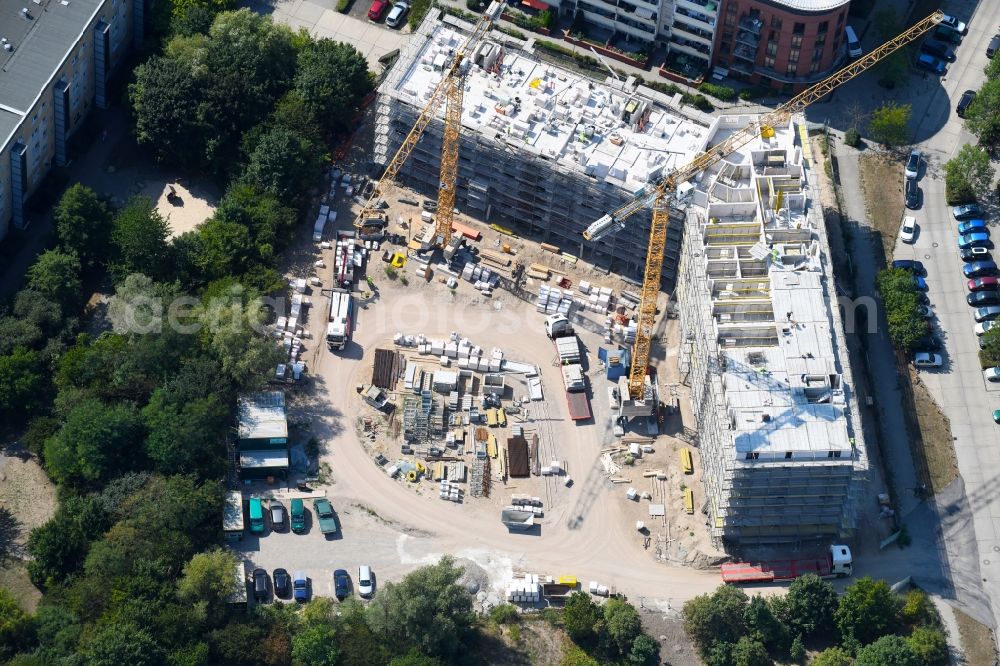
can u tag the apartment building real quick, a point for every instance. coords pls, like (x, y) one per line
(56, 57)
(543, 150)
(763, 350)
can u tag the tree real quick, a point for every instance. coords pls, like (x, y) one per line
(763, 626)
(165, 98)
(140, 238)
(930, 646)
(917, 608)
(316, 645)
(331, 78)
(867, 610)
(889, 124)
(982, 118)
(716, 618)
(225, 249)
(748, 652)
(968, 175)
(284, 164)
(894, 70)
(580, 615)
(644, 650)
(269, 221)
(59, 546)
(899, 294)
(888, 651)
(622, 624)
(207, 580)
(17, 630)
(185, 436)
(83, 224)
(121, 643)
(247, 357)
(23, 386)
(95, 441)
(56, 276)
(574, 656)
(797, 651)
(811, 603)
(427, 610)
(834, 656)
(852, 137)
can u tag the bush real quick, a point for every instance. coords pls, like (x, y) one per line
(852, 137)
(725, 93)
(474, 5)
(957, 189)
(702, 103)
(391, 273)
(418, 10)
(505, 614)
(755, 92)
(343, 6)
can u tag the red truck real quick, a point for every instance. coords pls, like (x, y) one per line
(834, 564)
(576, 392)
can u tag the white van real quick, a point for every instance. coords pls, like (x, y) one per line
(366, 586)
(853, 44)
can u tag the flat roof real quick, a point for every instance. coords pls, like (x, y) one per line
(40, 44)
(263, 459)
(811, 5)
(624, 137)
(780, 369)
(262, 416)
(232, 512)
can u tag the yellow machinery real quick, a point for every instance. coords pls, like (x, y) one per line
(449, 90)
(659, 194)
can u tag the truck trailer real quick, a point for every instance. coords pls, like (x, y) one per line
(338, 330)
(575, 383)
(836, 563)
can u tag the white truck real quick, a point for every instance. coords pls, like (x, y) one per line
(343, 260)
(338, 330)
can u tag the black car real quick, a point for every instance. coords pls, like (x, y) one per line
(342, 583)
(929, 343)
(912, 194)
(939, 49)
(964, 102)
(260, 585)
(981, 298)
(278, 515)
(912, 265)
(282, 583)
(993, 47)
(975, 254)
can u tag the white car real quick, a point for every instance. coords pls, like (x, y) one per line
(927, 360)
(982, 327)
(908, 230)
(913, 164)
(954, 24)
(992, 374)
(366, 582)
(397, 14)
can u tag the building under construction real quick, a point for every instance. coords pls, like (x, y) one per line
(763, 350)
(544, 150)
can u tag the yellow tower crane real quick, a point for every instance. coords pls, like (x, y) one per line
(450, 90)
(659, 194)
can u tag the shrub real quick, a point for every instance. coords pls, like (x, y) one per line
(852, 137)
(725, 93)
(391, 273)
(702, 103)
(474, 5)
(505, 614)
(343, 6)
(755, 92)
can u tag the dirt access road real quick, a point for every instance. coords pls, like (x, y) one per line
(585, 532)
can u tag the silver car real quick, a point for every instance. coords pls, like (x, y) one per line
(397, 14)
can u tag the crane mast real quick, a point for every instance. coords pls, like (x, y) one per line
(661, 192)
(450, 91)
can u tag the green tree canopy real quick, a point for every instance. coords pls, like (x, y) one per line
(24, 385)
(622, 624)
(186, 436)
(208, 580)
(165, 98)
(331, 79)
(580, 616)
(83, 224)
(117, 644)
(56, 276)
(834, 656)
(284, 164)
(140, 238)
(811, 603)
(982, 118)
(644, 650)
(889, 124)
(930, 646)
(763, 626)
(96, 441)
(315, 645)
(888, 651)
(899, 293)
(748, 652)
(716, 618)
(59, 546)
(968, 175)
(427, 610)
(17, 630)
(867, 610)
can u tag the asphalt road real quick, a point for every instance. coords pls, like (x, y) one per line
(959, 387)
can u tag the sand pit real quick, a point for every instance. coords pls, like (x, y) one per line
(188, 208)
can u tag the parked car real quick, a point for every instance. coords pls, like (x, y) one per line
(979, 329)
(260, 585)
(945, 34)
(256, 516)
(366, 582)
(913, 164)
(979, 284)
(925, 311)
(979, 269)
(964, 101)
(967, 211)
(992, 374)
(378, 9)
(920, 283)
(927, 360)
(939, 49)
(986, 297)
(954, 24)
(341, 584)
(993, 47)
(970, 226)
(325, 516)
(972, 240)
(987, 314)
(996, 415)
(912, 265)
(300, 586)
(911, 194)
(298, 516)
(277, 512)
(931, 64)
(975, 254)
(397, 14)
(930, 343)
(282, 583)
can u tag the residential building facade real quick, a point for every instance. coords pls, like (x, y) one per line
(56, 59)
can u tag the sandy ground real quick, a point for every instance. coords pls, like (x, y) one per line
(27, 499)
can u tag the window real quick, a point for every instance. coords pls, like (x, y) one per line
(799, 29)
(793, 55)
(776, 23)
(788, 455)
(818, 54)
(833, 454)
(814, 67)
(728, 35)
(840, 19)
(772, 48)
(769, 62)
(823, 27)
(752, 455)
(796, 41)
(820, 40)
(730, 19)
(724, 47)
(790, 70)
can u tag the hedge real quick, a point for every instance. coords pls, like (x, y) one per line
(724, 93)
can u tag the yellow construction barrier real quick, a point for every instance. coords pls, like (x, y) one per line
(568, 580)
(688, 500)
(687, 463)
(502, 417)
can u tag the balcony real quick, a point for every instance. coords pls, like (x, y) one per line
(696, 17)
(691, 32)
(742, 67)
(709, 8)
(748, 38)
(752, 24)
(687, 45)
(745, 52)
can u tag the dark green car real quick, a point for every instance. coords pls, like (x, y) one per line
(298, 510)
